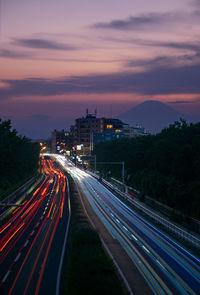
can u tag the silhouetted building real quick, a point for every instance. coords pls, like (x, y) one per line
(61, 141)
(107, 136)
(86, 127)
(90, 130)
(125, 131)
(134, 131)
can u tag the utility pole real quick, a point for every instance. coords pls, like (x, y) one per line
(95, 163)
(123, 172)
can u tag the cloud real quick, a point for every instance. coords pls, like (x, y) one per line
(152, 62)
(43, 44)
(162, 61)
(184, 101)
(188, 52)
(190, 45)
(196, 3)
(180, 101)
(11, 54)
(152, 19)
(161, 80)
(179, 45)
(137, 22)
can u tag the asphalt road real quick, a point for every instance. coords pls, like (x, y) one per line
(166, 266)
(31, 241)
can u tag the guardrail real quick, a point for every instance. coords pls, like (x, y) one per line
(21, 190)
(183, 234)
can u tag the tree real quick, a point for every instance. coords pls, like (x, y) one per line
(19, 157)
(165, 166)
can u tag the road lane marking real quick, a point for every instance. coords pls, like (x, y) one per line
(5, 277)
(139, 243)
(145, 249)
(26, 257)
(146, 269)
(26, 243)
(149, 274)
(17, 256)
(47, 253)
(160, 264)
(134, 237)
(32, 233)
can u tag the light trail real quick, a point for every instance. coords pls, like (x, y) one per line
(166, 266)
(11, 237)
(33, 222)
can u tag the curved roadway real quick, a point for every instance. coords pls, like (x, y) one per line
(31, 241)
(166, 266)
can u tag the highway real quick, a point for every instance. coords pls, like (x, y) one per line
(32, 240)
(165, 265)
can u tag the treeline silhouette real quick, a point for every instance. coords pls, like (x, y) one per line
(165, 166)
(18, 158)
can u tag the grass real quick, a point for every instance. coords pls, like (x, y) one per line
(87, 269)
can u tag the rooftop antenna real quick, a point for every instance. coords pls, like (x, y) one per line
(86, 112)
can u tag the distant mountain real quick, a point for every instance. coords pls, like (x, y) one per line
(154, 116)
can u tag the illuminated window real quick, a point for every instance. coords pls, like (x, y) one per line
(109, 126)
(118, 130)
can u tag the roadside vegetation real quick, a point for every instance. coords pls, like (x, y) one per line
(19, 159)
(165, 166)
(87, 269)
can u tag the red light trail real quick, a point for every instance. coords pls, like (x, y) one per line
(30, 226)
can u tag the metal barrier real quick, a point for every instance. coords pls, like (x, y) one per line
(179, 232)
(21, 190)
(194, 240)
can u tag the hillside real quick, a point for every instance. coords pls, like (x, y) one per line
(153, 115)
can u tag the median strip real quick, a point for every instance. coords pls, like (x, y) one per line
(87, 269)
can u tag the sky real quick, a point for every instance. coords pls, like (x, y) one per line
(59, 57)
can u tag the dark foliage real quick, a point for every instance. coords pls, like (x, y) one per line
(165, 166)
(18, 157)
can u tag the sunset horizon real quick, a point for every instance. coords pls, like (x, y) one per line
(59, 58)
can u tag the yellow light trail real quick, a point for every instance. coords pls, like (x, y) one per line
(11, 237)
